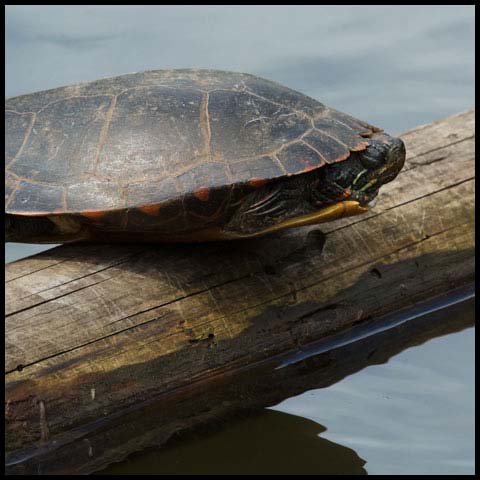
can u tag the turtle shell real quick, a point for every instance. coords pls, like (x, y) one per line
(171, 137)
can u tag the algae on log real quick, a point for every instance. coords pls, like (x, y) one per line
(102, 338)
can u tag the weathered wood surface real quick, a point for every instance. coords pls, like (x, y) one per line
(96, 335)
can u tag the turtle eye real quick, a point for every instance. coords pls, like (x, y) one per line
(375, 156)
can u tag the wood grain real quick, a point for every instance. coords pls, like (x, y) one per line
(98, 334)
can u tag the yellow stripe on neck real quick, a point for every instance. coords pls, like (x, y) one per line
(346, 208)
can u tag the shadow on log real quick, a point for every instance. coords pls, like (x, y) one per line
(110, 349)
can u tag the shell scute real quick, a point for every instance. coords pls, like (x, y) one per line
(151, 191)
(260, 168)
(94, 195)
(332, 150)
(245, 126)
(153, 130)
(35, 198)
(341, 132)
(210, 174)
(359, 126)
(62, 144)
(17, 130)
(299, 158)
(276, 93)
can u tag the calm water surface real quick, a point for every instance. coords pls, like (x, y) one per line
(393, 66)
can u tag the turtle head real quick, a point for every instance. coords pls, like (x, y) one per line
(360, 177)
(383, 160)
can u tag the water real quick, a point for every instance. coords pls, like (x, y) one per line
(412, 415)
(394, 66)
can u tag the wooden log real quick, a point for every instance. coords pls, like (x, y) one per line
(110, 349)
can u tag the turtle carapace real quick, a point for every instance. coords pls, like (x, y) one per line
(184, 156)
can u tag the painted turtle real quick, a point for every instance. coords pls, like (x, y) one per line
(184, 155)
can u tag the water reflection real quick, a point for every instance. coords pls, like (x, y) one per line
(270, 443)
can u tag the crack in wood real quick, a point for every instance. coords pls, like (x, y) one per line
(21, 310)
(25, 365)
(122, 261)
(447, 145)
(39, 269)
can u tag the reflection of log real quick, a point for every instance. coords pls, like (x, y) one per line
(270, 443)
(113, 348)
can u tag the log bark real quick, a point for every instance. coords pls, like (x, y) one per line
(113, 348)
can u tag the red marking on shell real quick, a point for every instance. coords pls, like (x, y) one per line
(31, 214)
(257, 182)
(306, 164)
(361, 146)
(202, 194)
(341, 158)
(94, 215)
(149, 209)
